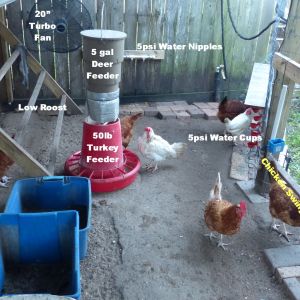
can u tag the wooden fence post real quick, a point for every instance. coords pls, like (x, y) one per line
(290, 48)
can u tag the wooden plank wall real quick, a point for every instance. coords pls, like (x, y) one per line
(156, 21)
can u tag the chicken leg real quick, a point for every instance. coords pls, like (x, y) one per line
(4, 181)
(150, 167)
(211, 235)
(274, 226)
(221, 244)
(285, 234)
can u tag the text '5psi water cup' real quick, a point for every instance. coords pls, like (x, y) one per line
(103, 54)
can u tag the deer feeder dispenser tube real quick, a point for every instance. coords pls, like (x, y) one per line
(102, 157)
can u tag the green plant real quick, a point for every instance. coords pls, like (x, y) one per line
(293, 139)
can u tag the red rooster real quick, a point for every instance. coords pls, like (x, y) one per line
(127, 124)
(221, 215)
(230, 109)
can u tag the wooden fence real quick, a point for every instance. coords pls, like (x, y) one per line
(185, 73)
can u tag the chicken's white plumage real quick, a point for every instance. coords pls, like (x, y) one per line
(157, 149)
(240, 123)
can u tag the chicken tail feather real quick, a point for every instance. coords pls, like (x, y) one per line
(179, 148)
(136, 116)
(215, 193)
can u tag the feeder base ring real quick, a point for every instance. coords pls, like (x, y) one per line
(106, 180)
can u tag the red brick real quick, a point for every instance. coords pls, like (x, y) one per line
(166, 115)
(210, 114)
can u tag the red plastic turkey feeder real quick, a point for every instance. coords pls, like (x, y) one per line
(102, 158)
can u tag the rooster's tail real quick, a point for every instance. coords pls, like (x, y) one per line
(215, 193)
(179, 148)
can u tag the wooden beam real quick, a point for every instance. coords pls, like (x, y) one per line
(9, 95)
(36, 67)
(289, 48)
(287, 66)
(7, 65)
(145, 55)
(20, 156)
(20, 132)
(55, 144)
(286, 176)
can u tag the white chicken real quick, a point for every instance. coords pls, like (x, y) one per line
(157, 149)
(240, 123)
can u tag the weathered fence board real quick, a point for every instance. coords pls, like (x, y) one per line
(169, 21)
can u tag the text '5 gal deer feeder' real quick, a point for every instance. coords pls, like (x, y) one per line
(102, 158)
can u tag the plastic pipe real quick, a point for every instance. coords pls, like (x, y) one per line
(279, 111)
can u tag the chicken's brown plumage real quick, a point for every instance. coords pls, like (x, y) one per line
(222, 216)
(281, 206)
(5, 163)
(127, 124)
(230, 109)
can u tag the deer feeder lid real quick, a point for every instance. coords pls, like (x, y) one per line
(5, 2)
(104, 34)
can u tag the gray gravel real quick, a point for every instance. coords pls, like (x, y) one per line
(147, 241)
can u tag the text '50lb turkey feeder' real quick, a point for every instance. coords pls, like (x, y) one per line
(102, 158)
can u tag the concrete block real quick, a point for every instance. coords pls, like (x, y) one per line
(195, 112)
(283, 257)
(166, 115)
(164, 104)
(210, 114)
(136, 110)
(182, 115)
(239, 167)
(150, 111)
(287, 272)
(184, 103)
(163, 108)
(179, 107)
(214, 105)
(202, 105)
(124, 111)
(293, 287)
(247, 187)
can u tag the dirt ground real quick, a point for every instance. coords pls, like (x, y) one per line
(147, 241)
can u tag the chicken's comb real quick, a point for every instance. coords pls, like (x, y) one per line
(243, 206)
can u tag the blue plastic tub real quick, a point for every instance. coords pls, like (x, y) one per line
(276, 145)
(54, 193)
(40, 254)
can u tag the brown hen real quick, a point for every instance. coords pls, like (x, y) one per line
(5, 163)
(127, 124)
(281, 206)
(222, 216)
(230, 109)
